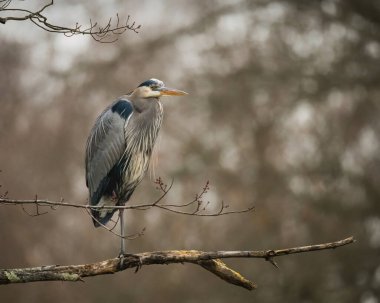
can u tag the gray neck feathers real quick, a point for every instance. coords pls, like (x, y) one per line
(145, 123)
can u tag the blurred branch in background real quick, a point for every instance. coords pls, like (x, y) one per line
(208, 260)
(107, 34)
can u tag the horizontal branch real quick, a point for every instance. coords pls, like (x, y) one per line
(210, 261)
(195, 207)
(169, 207)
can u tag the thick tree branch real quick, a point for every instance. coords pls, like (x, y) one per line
(208, 260)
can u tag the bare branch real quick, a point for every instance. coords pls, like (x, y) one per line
(54, 204)
(160, 185)
(208, 260)
(107, 34)
(200, 205)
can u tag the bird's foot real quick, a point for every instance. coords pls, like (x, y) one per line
(122, 256)
(139, 264)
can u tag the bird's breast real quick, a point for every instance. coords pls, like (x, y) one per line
(140, 137)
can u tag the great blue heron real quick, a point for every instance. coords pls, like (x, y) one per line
(119, 148)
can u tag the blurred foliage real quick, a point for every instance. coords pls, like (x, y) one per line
(283, 111)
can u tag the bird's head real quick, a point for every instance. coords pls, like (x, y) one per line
(154, 88)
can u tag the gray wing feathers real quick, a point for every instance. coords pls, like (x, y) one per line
(105, 146)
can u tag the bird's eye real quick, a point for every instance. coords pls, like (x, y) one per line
(154, 87)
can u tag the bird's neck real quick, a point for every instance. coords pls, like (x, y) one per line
(144, 126)
(141, 104)
(147, 111)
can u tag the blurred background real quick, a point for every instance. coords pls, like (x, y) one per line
(283, 112)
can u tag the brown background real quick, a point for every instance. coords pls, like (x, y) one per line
(283, 111)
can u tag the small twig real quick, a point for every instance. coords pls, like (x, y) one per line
(269, 258)
(36, 214)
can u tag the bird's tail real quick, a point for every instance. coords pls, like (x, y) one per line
(99, 220)
(102, 216)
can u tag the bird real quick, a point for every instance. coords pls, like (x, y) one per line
(119, 148)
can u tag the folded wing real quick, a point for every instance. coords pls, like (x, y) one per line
(105, 147)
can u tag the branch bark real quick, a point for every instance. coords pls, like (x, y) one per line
(210, 261)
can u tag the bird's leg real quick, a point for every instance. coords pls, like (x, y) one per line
(122, 240)
(122, 243)
(122, 253)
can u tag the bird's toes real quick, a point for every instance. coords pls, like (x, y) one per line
(133, 258)
(139, 264)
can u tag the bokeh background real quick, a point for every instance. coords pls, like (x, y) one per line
(283, 112)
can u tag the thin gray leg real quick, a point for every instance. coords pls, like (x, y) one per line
(122, 244)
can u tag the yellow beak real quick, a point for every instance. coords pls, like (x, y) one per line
(165, 91)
